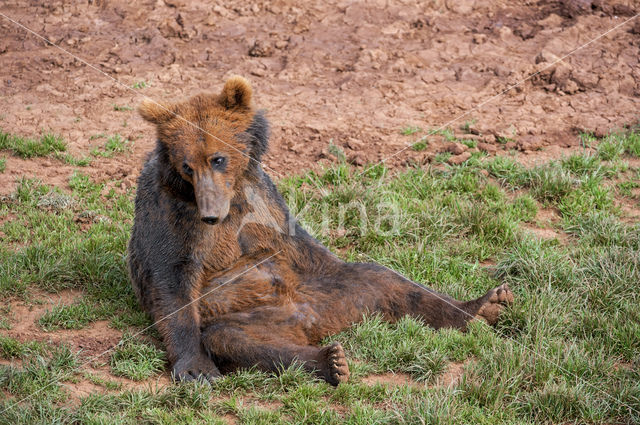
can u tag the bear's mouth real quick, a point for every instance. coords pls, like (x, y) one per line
(210, 220)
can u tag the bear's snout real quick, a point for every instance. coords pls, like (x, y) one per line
(213, 202)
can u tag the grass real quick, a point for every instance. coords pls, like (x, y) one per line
(565, 352)
(136, 360)
(420, 145)
(114, 144)
(409, 130)
(74, 316)
(47, 144)
(24, 147)
(442, 157)
(140, 84)
(447, 133)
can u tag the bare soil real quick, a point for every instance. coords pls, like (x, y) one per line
(23, 318)
(353, 74)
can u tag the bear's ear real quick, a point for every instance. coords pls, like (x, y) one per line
(155, 112)
(236, 93)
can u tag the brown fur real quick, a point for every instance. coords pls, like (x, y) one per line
(270, 292)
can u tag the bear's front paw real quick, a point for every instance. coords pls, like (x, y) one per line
(195, 367)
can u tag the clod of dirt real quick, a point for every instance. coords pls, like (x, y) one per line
(459, 159)
(357, 158)
(260, 49)
(574, 8)
(487, 147)
(456, 148)
(530, 143)
(172, 27)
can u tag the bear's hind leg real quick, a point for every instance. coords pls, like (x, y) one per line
(378, 289)
(233, 345)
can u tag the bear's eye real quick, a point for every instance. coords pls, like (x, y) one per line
(186, 169)
(218, 161)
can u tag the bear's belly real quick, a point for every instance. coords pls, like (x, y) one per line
(244, 287)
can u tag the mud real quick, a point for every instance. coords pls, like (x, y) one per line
(351, 74)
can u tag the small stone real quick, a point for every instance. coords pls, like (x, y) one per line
(546, 56)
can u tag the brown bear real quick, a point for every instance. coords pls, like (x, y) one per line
(228, 275)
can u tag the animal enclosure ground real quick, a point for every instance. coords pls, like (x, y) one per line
(562, 234)
(527, 189)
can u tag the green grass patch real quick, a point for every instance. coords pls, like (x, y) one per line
(39, 376)
(72, 160)
(114, 144)
(25, 147)
(626, 188)
(442, 157)
(11, 348)
(73, 316)
(420, 145)
(565, 352)
(140, 85)
(409, 130)
(620, 143)
(136, 360)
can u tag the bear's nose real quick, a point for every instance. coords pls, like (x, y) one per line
(210, 220)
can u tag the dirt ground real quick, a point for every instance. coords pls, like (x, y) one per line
(348, 73)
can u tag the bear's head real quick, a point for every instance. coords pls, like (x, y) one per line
(210, 143)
